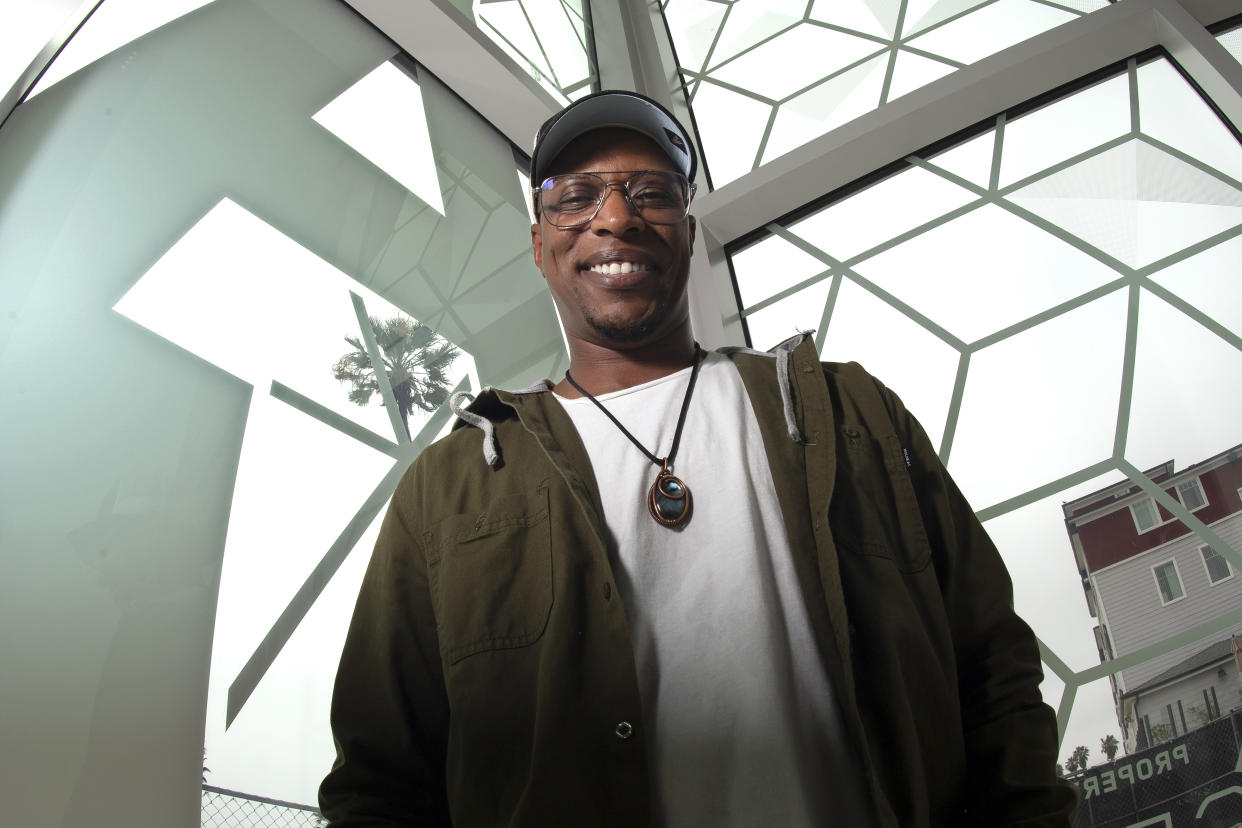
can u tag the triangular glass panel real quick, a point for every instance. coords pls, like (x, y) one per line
(748, 24)
(768, 71)
(693, 25)
(825, 107)
(1135, 202)
(873, 17)
(382, 117)
(1065, 128)
(921, 15)
(1172, 112)
(558, 39)
(1209, 281)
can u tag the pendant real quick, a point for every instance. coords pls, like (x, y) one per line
(669, 499)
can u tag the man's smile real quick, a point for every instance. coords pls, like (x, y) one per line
(615, 268)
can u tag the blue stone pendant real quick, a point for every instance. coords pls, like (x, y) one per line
(669, 499)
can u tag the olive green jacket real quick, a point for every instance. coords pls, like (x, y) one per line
(489, 673)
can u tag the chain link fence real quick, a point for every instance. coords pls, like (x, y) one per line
(231, 809)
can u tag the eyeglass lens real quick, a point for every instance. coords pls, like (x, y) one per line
(659, 196)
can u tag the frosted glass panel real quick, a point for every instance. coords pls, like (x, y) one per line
(770, 267)
(898, 204)
(1016, 397)
(806, 68)
(221, 266)
(550, 39)
(1065, 128)
(951, 272)
(912, 361)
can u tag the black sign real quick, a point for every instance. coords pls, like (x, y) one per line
(1194, 781)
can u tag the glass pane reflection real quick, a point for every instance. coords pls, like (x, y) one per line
(208, 484)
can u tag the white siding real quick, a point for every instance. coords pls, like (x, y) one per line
(1190, 693)
(1136, 617)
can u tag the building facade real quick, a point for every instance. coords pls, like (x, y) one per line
(1149, 578)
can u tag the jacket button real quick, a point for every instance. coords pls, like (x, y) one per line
(624, 730)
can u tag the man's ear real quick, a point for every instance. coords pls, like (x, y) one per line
(536, 244)
(693, 227)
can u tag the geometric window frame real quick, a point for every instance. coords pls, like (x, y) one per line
(1161, 586)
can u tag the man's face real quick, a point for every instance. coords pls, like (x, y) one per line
(625, 309)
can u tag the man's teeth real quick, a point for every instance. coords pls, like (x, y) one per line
(618, 268)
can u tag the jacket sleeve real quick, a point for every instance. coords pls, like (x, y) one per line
(389, 709)
(1010, 734)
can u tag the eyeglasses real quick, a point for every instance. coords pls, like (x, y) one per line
(574, 199)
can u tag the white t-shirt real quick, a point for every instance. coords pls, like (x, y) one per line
(744, 726)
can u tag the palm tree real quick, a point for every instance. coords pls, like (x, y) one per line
(1109, 746)
(415, 359)
(1078, 759)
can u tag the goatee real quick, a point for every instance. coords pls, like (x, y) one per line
(622, 334)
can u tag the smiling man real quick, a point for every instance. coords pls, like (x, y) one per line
(681, 588)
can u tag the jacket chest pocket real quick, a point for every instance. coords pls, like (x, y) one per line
(490, 575)
(874, 511)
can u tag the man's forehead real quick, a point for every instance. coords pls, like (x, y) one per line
(598, 145)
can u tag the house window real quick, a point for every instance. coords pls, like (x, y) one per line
(1145, 515)
(1169, 582)
(1190, 492)
(1218, 569)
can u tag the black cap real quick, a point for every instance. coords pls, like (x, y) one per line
(612, 108)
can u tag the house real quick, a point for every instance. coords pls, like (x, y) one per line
(1152, 582)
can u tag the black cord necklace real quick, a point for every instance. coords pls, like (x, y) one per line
(668, 499)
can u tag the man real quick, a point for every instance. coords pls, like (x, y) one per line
(679, 588)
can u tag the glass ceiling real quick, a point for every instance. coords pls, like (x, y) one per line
(549, 39)
(1058, 294)
(764, 78)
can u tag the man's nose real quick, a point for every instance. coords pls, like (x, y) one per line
(617, 214)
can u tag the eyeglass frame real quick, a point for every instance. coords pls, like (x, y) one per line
(624, 186)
